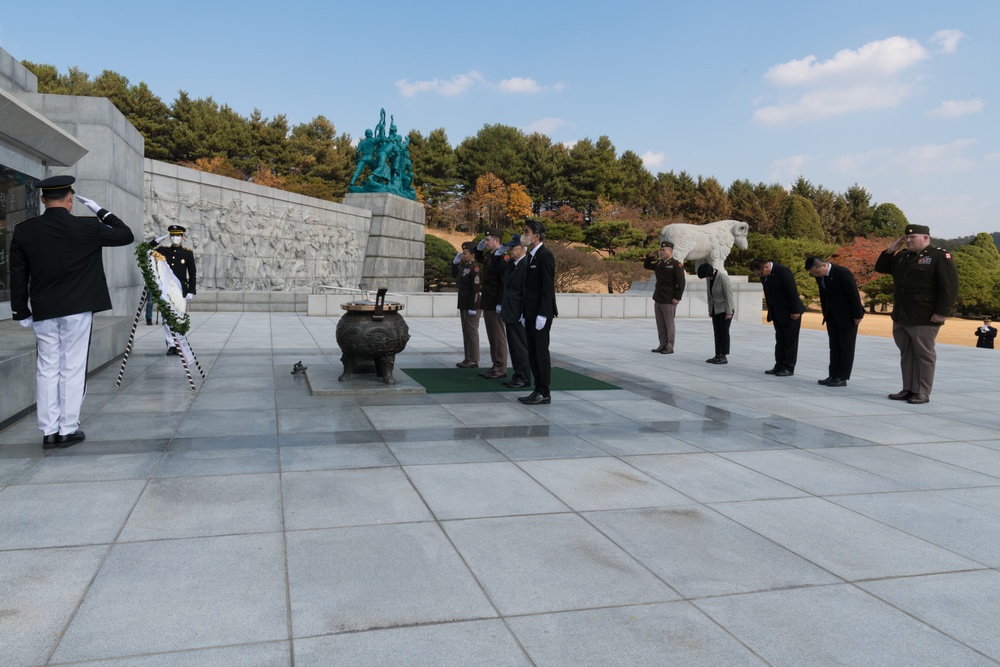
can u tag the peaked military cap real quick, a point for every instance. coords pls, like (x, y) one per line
(176, 230)
(55, 185)
(918, 229)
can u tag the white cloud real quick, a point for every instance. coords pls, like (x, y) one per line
(456, 85)
(519, 85)
(947, 40)
(788, 168)
(545, 126)
(937, 158)
(871, 77)
(651, 160)
(569, 144)
(956, 108)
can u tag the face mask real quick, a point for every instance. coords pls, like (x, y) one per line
(175, 240)
(526, 240)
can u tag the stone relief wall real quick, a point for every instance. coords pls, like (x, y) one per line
(250, 238)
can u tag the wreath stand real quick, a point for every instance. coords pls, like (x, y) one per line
(180, 340)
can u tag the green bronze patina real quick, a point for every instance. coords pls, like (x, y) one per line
(388, 156)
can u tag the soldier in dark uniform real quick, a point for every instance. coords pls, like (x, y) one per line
(670, 282)
(181, 261)
(926, 286)
(467, 274)
(490, 303)
(513, 268)
(986, 334)
(55, 263)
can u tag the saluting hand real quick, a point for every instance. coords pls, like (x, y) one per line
(896, 245)
(89, 203)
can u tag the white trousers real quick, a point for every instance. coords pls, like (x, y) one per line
(62, 346)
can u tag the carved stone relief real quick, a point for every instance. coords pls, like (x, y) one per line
(271, 246)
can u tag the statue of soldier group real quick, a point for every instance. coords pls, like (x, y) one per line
(925, 280)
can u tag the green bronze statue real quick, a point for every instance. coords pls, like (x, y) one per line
(388, 157)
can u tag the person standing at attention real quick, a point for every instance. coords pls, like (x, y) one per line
(466, 273)
(784, 310)
(489, 302)
(56, 265)
(667, 293)
(842, 313)
(539, 309)
(985, 334)
(926, 286)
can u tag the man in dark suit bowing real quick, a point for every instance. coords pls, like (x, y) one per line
(784, 311)
(56, 266)
(539, 309)
(842, 313)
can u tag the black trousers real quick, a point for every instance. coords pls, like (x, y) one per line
(538, 354)
(517, 342)
(842, 342)
(720, 327)
(786, 344)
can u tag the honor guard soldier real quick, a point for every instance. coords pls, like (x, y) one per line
(181, 261)
(56, 265)
(926, 286)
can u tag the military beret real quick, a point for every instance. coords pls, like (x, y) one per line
(53, 185)
(490, 231)
(666, 244)
(918, 229)
(176, 230)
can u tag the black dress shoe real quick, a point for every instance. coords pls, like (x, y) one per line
(517, 384)
(71, 439)
(666, 351)
(541, 400)
(467, 364)
(712, 360)
(51, 441)
(172, 351)
(784, 373)
(918, 399)
(836, 382)
(657, 350)
(773, 371)
(149, 322)
(719, 360)
(825, 380)
(533, 396)
(902, 395)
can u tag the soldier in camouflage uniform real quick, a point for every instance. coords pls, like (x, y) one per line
(926, 286)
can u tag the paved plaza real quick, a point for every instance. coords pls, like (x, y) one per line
(701, 515)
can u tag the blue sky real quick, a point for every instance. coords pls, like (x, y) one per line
(899, 97)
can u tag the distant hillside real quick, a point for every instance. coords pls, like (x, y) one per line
(951, 244)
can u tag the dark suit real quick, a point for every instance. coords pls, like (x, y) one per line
(540, 299)
(55, 260)
(985, 338)
(782, 295)
(841, 304)
(511, 307)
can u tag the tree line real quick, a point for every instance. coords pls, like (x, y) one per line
(591, 197)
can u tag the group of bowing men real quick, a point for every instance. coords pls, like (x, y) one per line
(512, 286)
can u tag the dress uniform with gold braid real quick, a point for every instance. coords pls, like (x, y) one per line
(181, 262)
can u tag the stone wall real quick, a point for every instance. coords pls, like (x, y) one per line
(394, 258)
(250, 238)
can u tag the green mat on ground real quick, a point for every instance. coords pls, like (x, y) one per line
(456, 380)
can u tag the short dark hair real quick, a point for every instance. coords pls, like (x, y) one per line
(812, 261)
(757, 264)
(705, 270)
(536, 226)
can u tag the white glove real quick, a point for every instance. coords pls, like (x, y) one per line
(160, 239)
(189, 296)
(89, 203)
(472, 312)
(500, 251)
(26, 322)
(482, 244)
(458, 257)
(540, 322)
(498, 309)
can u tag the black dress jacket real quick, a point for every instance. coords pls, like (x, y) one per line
(838, 296)
(55, 263)
(782, 295)
(181, 261)
(540, 286)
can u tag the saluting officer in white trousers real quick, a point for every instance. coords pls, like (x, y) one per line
(56, 265)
